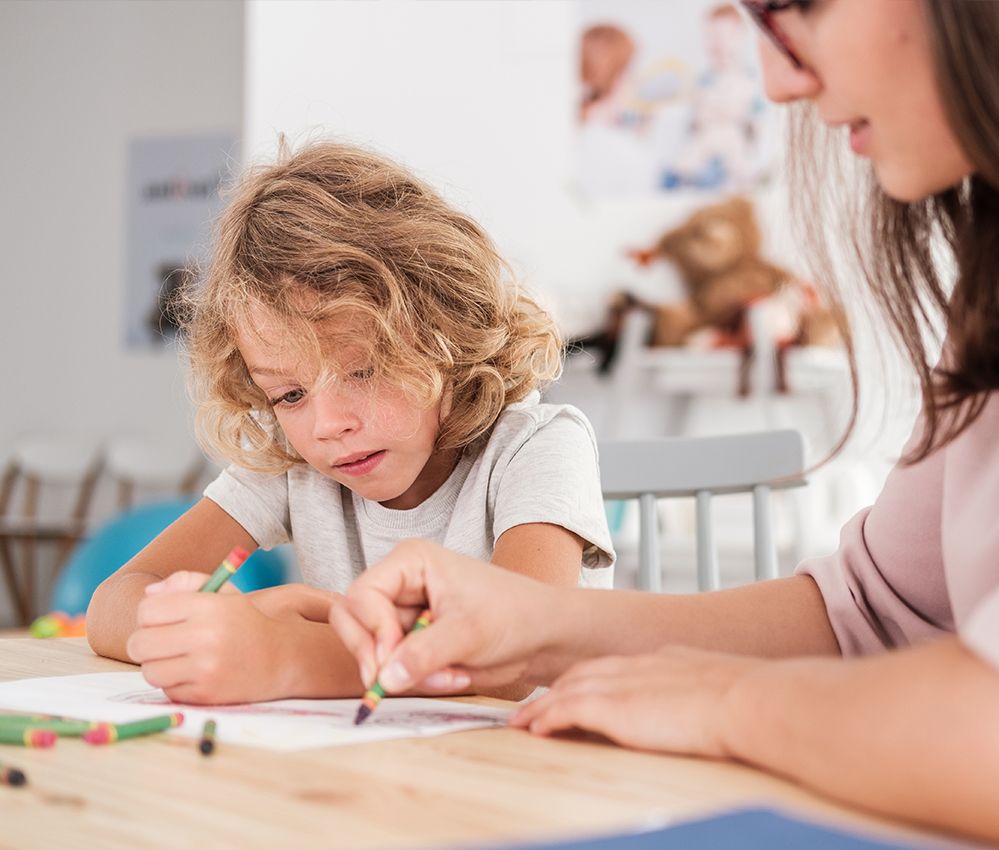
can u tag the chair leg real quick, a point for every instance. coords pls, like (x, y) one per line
(649, 571)
(707, 553)
(21, 608)
(764, 547)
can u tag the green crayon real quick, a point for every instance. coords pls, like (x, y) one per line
(376, 693)
(108, 733)
(226, 570)
(64, 727)
(207, 743)
(27, 737)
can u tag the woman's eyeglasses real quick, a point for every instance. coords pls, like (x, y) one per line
(762, 12)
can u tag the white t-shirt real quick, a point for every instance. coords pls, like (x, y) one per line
(537, 464)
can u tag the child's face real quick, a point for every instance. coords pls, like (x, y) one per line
(349, 425)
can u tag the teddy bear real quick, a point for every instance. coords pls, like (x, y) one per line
(717, 252)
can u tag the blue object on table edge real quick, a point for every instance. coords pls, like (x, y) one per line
(746, 829)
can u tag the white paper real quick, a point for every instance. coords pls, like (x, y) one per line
(283, 725)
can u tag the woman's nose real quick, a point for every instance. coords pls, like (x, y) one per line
(782, 81)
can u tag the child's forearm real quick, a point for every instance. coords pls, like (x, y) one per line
(311, 662)
(111, 615)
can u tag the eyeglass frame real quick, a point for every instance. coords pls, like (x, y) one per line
(762, 14)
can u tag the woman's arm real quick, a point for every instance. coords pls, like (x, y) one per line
(495, 627)
(911, 733)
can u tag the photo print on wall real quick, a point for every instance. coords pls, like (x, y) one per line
(670, 99)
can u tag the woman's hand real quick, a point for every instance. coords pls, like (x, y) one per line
(488, 623)
(676, 700)
(206, 647)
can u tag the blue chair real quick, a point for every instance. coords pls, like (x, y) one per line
(116, 542)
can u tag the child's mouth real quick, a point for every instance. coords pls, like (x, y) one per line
(363, 465)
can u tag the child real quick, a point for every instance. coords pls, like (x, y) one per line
(359, 357)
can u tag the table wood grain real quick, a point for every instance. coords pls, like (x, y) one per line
(461, 790)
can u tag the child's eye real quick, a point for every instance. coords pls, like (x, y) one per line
(289, 398)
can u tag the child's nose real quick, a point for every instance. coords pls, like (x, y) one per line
(334, 415)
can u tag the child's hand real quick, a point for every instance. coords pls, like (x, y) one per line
(185, 581)
(487, 625)
(207, 647)
(676, 700)
(295, 602)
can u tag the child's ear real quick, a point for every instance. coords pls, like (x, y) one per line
(447, 399)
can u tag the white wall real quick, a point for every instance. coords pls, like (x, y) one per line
(477, 97)
(78, 79)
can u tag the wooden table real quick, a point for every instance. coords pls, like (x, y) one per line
(482, 787)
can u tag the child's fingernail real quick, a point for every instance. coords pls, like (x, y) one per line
(155, 587)
(446, 681)
(367, 674)
(395, 677)
(381, 652)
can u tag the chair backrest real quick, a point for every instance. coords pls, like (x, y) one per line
(702, 467)
(136, 463)
(117, 541)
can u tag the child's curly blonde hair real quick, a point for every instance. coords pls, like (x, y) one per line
(335, 231)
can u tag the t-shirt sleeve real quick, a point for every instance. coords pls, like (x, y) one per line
(885, 585)
(257, 501)
(554, 478)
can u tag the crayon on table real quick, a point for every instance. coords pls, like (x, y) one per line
(12, 776)
(226, 570)
(108, 733)
(64, 727)
(376, 692)
(27, 737)
(207, 743)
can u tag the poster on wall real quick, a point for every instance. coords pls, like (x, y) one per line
(173, 195)
(670, 99)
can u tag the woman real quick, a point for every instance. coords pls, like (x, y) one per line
(792, 675)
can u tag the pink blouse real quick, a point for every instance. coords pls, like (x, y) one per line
(923, 561)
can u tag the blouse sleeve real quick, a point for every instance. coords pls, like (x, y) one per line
(885, 586)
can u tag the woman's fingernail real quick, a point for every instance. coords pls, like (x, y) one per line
(395, 677)
(444, 680)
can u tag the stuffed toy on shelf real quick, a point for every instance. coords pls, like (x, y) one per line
(717, 252)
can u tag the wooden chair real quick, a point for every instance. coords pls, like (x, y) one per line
(45, 496)
(144, 468)
(702, 467)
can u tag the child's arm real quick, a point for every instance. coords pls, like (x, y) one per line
(197, 541)
(545, 552)
(216, 647)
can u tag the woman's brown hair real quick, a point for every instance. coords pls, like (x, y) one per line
(335, 236)
(893, 241)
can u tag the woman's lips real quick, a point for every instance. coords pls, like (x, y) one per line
(363, 465)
